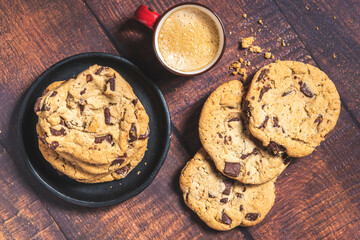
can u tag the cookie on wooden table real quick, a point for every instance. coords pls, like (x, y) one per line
(292, 106)
(225, 136)
(223, 203)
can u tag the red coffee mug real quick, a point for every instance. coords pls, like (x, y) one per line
(155, 21)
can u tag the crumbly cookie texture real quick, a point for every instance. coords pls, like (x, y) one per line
(225, 136)
(291, 107)
(93, 121)
(220, 202)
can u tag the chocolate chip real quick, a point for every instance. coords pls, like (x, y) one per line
(101, 139)
(319, 119)
(229, 138)
(53, 145)
(225, 219)
(119, 160)
(276, 148)
(62, 122)
(83, 91)
(234, 119)
(107, 116)
(263, 124)
(239, 195)
(276, 122)
(305, 90)
(99, 70)
(111, 81)
(286, 93)
(132, 133)
(109, 138)
(60, 132)
(89, 78)
(144, 136)
(262, 73)
(241, 208)
(53, 94)
(262, 91)
(82, 107)
(211, 196)
(123, 170)
(232, 169)
(253, 97)
(224, 200)
(230, 107)
(244, 189)
(134, 101)
(252, 216)
(43, 139)
(220, 136)
(254, 152)
(227, 189)
(37, 104)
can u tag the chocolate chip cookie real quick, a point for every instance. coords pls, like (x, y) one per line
(292, 106)
(221, 202)
(225, 136)
(93, 121)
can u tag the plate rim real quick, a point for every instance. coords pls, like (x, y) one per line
(25, 157)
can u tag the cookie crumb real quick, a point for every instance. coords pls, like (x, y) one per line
(240, 60)
(251, 30)
(145, 163)
(272, 56)
(267, 55)
(110, 187)
(259, 30)
(244, 15)
(283, 44)
(245, 53)
(334, 56)
(138, 173)
(230, 33)
(260, 22)
(279, 39)
(307, 8)
(317, 28)
(335, 17)
(255, 49)
(247, 42)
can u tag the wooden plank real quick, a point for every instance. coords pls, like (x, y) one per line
(33, 36)
(327, 28)
(22, 215)
(157, 213)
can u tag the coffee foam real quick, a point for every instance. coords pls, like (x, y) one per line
(188, 40)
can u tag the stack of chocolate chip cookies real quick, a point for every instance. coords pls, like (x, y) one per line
(92, 128)
(248, 139)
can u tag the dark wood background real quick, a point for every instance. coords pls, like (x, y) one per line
(317, 196)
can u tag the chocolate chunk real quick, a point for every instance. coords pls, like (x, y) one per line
(241, 208)
(234, 119)
(62, 122)
(53, 94)
(123, 170)
(305, 90)
(264, 122)
(230, 107)
(43, 139)
(224, 200)
(99, 70)
(37, 104)
(232, 169)
(107, 116)
(248, 173)
(254, 152)
(229, 138)
(119, 160)
(60, 132)
(89, 78)
(319, 119)
(83, 91)
(286, 93)
(239, 195)
(262, 91)
(211, 196)
(244, 189)
(276, 148)
(220, 136)
(132, 133)
(276, 122)
(225, 219)
(144, 136)
(134, 101)
(82, 107)
(101, 139)
(252, 216)
(111, 81)
(262, 73)
(53, 145)
(253, 97)
(227, 189)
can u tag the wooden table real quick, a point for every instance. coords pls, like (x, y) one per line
(317, 196)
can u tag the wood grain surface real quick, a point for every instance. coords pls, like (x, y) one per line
(317, 196)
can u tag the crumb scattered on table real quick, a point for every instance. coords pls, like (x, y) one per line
(255, 49)
(267, 55)
(317, 28)
(244, 15)
(138, 173)
(260, 21)
(334, 55)
(247, 42)
(283, 44)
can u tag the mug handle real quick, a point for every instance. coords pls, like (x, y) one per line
(147, 17)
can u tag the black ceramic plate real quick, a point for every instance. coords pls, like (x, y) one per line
(100, 194)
